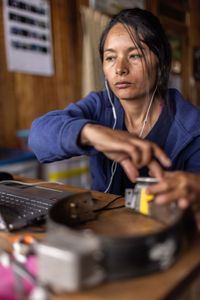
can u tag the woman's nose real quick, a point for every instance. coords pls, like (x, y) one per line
(121, 67)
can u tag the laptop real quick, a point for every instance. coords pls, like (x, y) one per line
(22, 205)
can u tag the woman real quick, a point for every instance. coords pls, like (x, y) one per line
(110, 126)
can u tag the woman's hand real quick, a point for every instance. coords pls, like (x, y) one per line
(125, 148)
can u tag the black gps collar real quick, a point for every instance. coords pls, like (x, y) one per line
(92, 258)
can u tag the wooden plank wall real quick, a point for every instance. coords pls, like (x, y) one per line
(23, 97)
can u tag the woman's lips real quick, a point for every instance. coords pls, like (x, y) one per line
(122, 84)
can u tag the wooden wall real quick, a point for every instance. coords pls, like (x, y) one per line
(23, 97)
(189, 32)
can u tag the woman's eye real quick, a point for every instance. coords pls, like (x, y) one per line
(109, 58)
(136, 56)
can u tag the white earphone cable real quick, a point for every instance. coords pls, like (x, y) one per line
(114, 163)
(147, 113)
(112, 104)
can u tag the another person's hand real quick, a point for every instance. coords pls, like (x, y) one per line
(125, 148)
(183, 187)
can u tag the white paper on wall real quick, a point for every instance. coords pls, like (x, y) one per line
(28, 38)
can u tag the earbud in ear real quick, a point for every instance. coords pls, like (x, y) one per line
(106, 83)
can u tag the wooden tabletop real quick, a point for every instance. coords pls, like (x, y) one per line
(165, 285)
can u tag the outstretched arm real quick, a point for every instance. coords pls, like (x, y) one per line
(125, 148)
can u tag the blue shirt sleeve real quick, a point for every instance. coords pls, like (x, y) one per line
(55, 135)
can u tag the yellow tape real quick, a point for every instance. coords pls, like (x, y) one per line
(144, 200)
(68, 173)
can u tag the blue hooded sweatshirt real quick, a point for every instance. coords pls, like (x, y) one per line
(55, 136)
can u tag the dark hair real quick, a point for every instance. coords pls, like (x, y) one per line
(148, 28)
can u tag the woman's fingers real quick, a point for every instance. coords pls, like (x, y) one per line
(155, 169)
(129, 168)
(143, 153)
(134, 155)
(138, 158)
(130, 151)
(161, 156)
(150, 151)
(140, 152)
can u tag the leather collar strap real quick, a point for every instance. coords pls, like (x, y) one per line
(113, 257)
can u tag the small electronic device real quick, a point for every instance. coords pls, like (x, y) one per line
(137, 198)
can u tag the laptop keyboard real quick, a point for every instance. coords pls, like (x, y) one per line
(25, 205)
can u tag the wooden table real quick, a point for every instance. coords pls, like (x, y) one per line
(181, 281)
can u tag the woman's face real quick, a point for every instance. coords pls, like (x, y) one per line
(124, 65)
